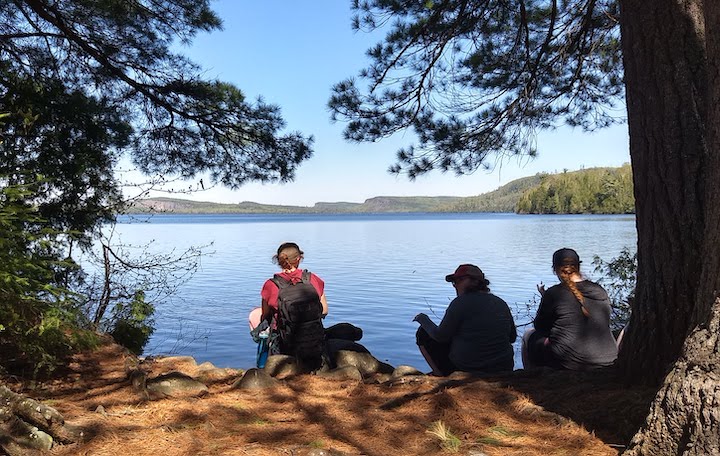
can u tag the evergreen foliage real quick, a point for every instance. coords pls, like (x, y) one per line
(82, 84)
(477, 78)
(504, 199)
(593, 191)
(132, 325)
(154, 103)
(40, 320)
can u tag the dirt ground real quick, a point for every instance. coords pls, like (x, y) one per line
(527, 413)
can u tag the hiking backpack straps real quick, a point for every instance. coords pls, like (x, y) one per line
(299, 320)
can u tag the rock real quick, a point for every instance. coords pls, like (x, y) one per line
(335, 345)
(365, 362)
(282, 366)
(39, 439)
(173, 360)
(138, 378)
(254, 379)
(342, 373)
(207, 365)
(403, 370)
(378, 379)
(175, 384)
(216, 374)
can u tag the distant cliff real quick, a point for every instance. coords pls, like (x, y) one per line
(595, 190)
(378, 204)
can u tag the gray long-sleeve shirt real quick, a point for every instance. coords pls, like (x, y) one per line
(480, 330)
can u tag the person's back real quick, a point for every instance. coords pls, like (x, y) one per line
(578, 341)
(483, 335)
(476, 332)
(300, 328)
(294, 299)
(572, 326)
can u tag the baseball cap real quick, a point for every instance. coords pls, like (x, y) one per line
(465, 270)
(565, 256)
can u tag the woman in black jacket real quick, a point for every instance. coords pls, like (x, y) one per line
(572, 326)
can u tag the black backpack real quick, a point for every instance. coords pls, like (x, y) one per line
(300, 320)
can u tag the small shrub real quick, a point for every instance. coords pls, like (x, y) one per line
(619, 277)
(132, 323)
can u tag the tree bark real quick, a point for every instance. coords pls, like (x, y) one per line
(664, 60)
(685, 416)
(674, 118)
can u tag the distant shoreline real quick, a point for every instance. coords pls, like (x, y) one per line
(588, 191)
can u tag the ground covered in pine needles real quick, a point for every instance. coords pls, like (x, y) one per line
(525, 413)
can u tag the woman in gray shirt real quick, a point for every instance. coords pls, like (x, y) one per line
(572, 326)
(476, 333)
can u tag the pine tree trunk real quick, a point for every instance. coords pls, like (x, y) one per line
(664, 62)
(685, 415)
(683, 242)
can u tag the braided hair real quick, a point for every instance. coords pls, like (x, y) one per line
(565, 273)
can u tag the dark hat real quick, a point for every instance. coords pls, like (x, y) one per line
(465, 270)
(565, 256)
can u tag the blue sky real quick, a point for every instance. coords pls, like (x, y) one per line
(291, 53)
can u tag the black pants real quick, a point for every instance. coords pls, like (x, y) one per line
(539, 352)
(438, 352)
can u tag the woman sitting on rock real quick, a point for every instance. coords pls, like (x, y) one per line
(295, 299)
(572, 326)
(476, 333)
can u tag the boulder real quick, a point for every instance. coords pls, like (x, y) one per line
(366, 363)
(404, 370)
(254, 379)
(175, 384)
(378, 378)
(175, 360)
(342, 373)
(217, 374)
(333, 346)
(282, 366)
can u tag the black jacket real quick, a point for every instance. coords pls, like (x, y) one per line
(576, 341)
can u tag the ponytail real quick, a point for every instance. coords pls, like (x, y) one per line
(288, 255)
(565, 272)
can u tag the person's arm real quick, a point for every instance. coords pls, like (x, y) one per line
(513, 329)
(319, 285)
(323, 301)
(266, 294)
(545, 316)
(267, 311)
(447, 328)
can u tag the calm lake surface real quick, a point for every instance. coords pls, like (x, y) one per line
(379, 270)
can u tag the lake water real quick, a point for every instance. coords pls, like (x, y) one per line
(379, 270)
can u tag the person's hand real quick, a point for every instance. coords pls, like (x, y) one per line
(419, 317)
(541, 288)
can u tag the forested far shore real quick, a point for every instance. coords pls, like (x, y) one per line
(587, 191)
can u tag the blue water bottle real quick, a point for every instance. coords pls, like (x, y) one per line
(262, 350)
